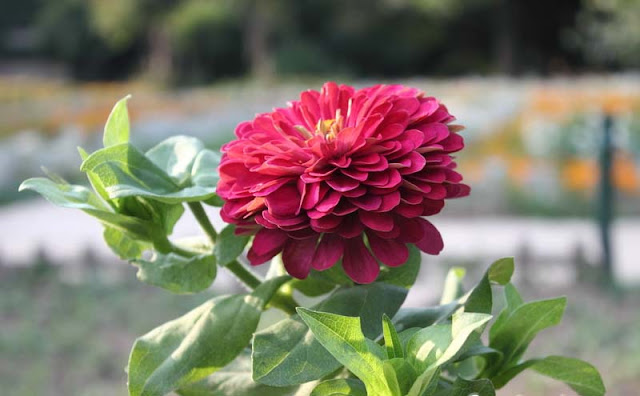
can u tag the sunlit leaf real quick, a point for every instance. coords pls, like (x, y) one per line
(116, 130)
(286, 353)
(340, 387)
(342, 337)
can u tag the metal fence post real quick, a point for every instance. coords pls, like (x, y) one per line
(607, 196)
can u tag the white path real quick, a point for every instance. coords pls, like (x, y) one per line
(65, 234)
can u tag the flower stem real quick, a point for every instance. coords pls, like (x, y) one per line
(281, 300)
(284, 302)
(182, 252)
(247, 276)
(203, 220)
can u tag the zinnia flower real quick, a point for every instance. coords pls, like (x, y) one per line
(342, 174)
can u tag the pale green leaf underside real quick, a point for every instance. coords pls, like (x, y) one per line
(176, 273)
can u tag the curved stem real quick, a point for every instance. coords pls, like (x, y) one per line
(284, 302)
(203, 220)
(182, 252)
(247, 276)
(281, 300)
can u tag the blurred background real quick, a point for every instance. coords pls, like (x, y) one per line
(549, 92)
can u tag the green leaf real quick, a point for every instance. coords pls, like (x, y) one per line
(391, 339)
(340, 387)
(406, 274)
(312, 287)
(286, 353)
(215, 200)
(175, 156)
(463, 387)
(204, 172)
(501, 271)
(423, 317)
(233, 380)
(522, 325)
(64, 194)
(116, 130)
(399, 374)
(579, 375)
(512, 297)
(513, 301)
(229, 246)
(95, 182)
(166, 214)
(426, 383)
(334, 275)
(405, 335)
(182, 351)
(197, 344)
(176, 273)
(138, 229)
(343, 338)
(79, 197)
(507, 375)
(478, 349)
(123, 245)
(124, 171)
(427, 346)
(438, 344)
(480, 299)
(463, 326)
(453, 285)
(163, 214)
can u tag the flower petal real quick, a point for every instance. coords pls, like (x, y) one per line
(328, 252)
(341, 183)
(329, 202)
(285, 201)
(297, 256)
(266, 244)
(376, 221)
(358, 262)
(389, 251)
(350, 227)
(431, 242)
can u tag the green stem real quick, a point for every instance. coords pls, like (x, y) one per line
(203, 220)
(284, 302)
(182, 252)
(281, 300)
(247, 276)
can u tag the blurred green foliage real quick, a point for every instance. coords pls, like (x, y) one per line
(608, 32)
(73, 339)
(196, 41)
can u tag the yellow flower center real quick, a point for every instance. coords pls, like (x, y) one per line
(330, 128)
(326, 128)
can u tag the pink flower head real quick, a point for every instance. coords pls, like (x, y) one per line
(315, 179)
